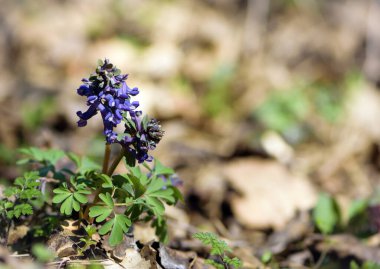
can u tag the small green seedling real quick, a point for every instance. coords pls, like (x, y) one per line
(219, 248)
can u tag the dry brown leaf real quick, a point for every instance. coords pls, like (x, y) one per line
(269, 194)
(133, 260)
(17, 233)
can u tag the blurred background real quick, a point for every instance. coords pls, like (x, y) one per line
(265, 103)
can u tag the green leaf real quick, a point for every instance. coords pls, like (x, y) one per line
(84, 164)
(118, 226)
(22, 209)
(160, 169)
(356, 208)
(106, 227)
(10, 191)
(136, 171)
(177, 194)
(161, 229)
(326, 214)
(139, 189)
(215, 264)
(107, 199)
(87, 165)
(235, 262)
(354, 265)
(60, 197)
(80, 197)
(35, 154)
(218, 246)
(166, 194)
(155, 185)
(75, 158)
(100, 212)
(67, 205)
(156, 205)
(266, 257)
(107, 181)
(42, 253)
(70, 200)
(90, 230)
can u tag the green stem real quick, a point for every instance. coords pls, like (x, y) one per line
(106, 160)
(107, 171)
(116, 161)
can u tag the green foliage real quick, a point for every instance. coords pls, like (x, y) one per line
(51, 156)
(103, 211)
(19, 198)
(42, 253)
(365, 265)
(117, 227)
(326, 214)
(71, 198)
(86, 242)
(121, 200)
(83, 164)
(284, 110)
(143, 197)
(219, 248)
(266, 257)
(357, 207)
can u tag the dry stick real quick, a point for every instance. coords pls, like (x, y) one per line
(106, 160)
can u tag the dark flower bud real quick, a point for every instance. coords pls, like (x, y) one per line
(154, 130)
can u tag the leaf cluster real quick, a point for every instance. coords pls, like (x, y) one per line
(139, 196)
(19, 198)
(219, 248)
(29, 195)
(71, 198)
(120, 200)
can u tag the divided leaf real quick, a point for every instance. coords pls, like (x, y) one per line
(18, 210)
(118, 226)
(70, 200)
(103, 211)
(218, 246)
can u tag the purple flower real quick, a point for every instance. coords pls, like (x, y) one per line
(107, 92)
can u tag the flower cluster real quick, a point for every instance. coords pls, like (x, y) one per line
(107, 92)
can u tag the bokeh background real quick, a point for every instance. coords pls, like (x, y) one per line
(265, 103)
